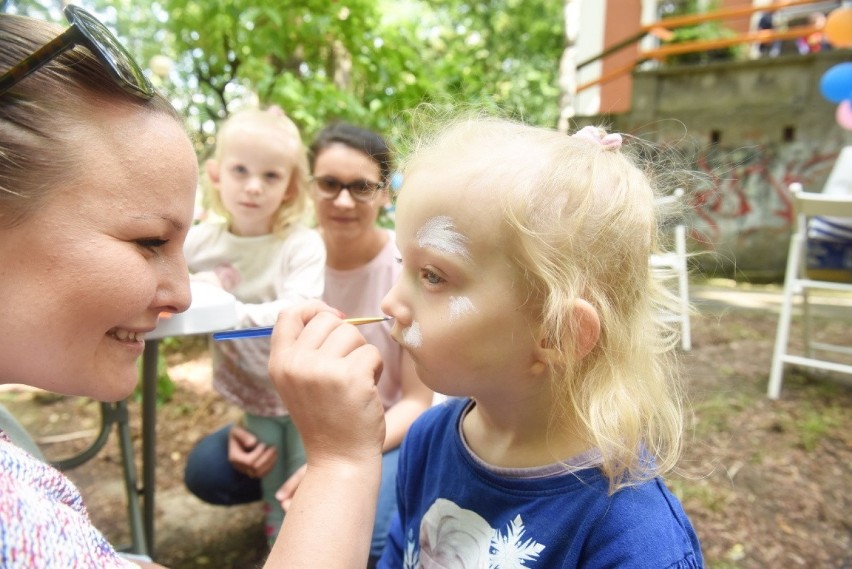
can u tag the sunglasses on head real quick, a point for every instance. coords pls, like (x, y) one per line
(360, 190)
(85, 30)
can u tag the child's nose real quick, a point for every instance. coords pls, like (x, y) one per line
(254, 185)
(392, 306)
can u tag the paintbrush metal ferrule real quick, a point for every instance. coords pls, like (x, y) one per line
(267, 330)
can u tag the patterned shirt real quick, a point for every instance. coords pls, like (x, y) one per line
(43, 522)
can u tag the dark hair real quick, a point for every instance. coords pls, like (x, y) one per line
(357, 138)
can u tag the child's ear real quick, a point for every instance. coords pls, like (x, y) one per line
(212, 167)
(588, 327)
(587, 332)
(293, 188)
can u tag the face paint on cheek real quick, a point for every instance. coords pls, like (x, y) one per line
(411, 336)
(460, 306)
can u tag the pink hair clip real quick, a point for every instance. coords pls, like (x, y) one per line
(611, 141)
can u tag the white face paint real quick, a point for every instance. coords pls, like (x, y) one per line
(411, 336)
(460, 306)
(439, 233)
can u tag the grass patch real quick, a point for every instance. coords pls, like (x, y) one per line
(816, 424)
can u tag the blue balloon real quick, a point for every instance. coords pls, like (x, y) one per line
(396, 181)
(836, 83)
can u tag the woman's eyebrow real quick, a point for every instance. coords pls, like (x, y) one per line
(176, 224)
(440, 234)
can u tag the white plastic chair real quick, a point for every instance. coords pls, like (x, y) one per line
(675, 261)
(797, 283)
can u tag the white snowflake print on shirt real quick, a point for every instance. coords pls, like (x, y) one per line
(509, 551)
(412, 558)
(455, 538)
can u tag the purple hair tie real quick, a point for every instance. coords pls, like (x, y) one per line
(611, 141)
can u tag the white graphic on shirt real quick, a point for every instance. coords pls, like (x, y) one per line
(412, 558)
(510, 551)
(454, 538)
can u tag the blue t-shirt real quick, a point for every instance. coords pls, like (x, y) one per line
(456, 512)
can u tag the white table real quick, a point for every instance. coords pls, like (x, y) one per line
(212, 310)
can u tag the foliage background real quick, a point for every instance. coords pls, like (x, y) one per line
(366, 61)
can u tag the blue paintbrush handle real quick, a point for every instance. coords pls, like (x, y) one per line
(267, 330)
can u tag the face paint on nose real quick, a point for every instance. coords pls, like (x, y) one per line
(411, 336)
(439, 233)
(460, 306)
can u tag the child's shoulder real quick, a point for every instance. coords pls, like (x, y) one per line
(646, 517)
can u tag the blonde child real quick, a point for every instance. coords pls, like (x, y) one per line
(262, 252)
(525, 295)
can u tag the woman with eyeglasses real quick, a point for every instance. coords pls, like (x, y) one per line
(97, 187)
(351, 167)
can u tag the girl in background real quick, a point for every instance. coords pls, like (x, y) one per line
(351, 167)
(262, 251)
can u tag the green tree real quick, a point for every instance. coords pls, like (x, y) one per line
(367, 61)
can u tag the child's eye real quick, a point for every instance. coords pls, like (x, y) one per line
(273, 177)
(151, 244)
(431, 277)
(398, 260)
(240, 169)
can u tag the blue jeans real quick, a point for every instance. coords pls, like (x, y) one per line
(212, 454)
(211, 478)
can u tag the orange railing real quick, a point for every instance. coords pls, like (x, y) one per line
(662, 30)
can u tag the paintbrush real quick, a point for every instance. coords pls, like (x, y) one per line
(267, 330)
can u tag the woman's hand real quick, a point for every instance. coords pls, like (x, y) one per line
(248, 455)
(326, 373)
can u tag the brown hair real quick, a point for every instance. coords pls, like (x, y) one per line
(38, 115)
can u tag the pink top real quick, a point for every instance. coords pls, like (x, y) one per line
(359, 292)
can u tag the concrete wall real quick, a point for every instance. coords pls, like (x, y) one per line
(747, 130)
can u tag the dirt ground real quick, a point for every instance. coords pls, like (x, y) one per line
(766, 483)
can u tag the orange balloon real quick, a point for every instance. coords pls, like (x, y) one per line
(838, 27)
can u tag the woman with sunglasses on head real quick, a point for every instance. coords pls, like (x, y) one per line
(97, 187)
(351, 167)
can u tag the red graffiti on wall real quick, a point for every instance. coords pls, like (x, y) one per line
(743, 183)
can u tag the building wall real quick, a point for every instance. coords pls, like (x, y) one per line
(605, 23)
(624, 21)
(743, 131)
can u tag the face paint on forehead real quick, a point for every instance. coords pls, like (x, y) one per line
(411, 336)
(460, 306)
(439, 233)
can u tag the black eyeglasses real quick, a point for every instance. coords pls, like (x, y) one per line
(85, 30)
(361, 190)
